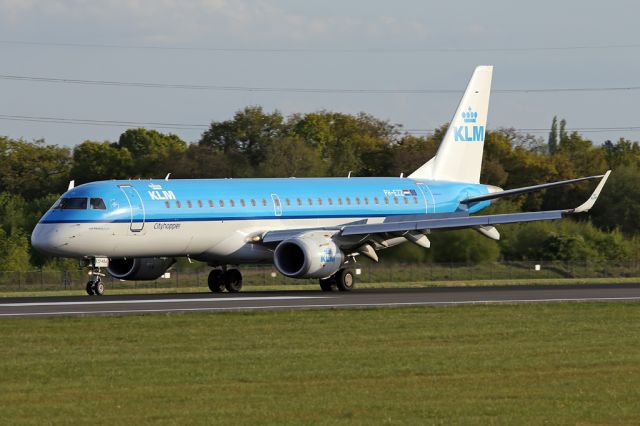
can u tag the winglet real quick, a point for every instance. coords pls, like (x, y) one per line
(586, 206)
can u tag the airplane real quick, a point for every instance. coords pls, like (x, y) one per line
(305, 227)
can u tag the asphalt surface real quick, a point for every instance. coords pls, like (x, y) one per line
(283, 300)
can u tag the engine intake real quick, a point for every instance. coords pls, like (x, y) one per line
(139, 268)
(310, 255)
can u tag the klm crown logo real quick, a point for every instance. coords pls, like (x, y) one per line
(469, 132)
(469, 116)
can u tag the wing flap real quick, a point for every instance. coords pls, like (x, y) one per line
(452, 223)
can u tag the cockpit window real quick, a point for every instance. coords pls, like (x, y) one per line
(73, 203)
(97, 204)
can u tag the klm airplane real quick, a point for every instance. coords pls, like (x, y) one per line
(308, 228)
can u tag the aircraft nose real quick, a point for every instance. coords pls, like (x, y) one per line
(46, 239)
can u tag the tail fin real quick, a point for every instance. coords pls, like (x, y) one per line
(459, 157)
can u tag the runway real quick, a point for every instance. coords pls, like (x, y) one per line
(283, 300)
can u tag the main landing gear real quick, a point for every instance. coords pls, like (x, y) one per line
(219, 279)
(343, 280)
(95, 287)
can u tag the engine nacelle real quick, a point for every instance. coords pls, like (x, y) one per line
(139, 268)
(310, 255)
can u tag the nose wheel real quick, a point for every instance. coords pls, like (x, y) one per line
(95, 287)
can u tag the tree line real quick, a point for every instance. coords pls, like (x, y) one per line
(256, 143)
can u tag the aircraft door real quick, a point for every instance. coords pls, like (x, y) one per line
(137, 208)
(428, 197)
(277, 206)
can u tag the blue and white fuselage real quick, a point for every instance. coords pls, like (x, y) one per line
(213, 219)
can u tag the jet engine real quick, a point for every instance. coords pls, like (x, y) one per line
(139, 268)
(310, 255)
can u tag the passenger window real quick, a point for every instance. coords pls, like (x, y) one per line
(330, 201)
(415, 200)
(167, 204)
(253, 202)
(189, 204)
(242, 203)
(339, 201)
(376, 200)
(221, 203)
(310, 201)
(232, 203)
(287, 201)
(386, 200)
(348, 201)
(406, 200)
(395, 200)
(319, 201)
(178, 205)
(211, 203)
(200, 203)
(264, 202)
(73, 203)
(358, 200)
(299, 201)
(97, 204)
(366, 200)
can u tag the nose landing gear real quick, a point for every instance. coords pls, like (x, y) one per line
(95, 287)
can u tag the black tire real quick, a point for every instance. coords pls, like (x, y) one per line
(216, 281)
(345, 279)
(98, 288)
(233, 280)
(90, 288)
(328, 284)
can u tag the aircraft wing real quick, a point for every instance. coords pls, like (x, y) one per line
(402, 226)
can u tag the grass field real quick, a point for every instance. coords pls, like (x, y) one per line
(576, 363)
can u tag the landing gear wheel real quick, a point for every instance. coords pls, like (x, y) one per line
(216, 281)
(328, 284)
(233, 280)
(90, 288)
(98, 287)
(345, 279)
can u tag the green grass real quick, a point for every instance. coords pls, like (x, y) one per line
(576, 363)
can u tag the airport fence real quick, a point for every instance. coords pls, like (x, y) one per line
(389, 273)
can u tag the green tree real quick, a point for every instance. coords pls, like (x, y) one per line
(153, 153)
(553, 136)
(290, 156)
(14, 252)
(202, 161)
(562, 131)
(361, 144)
(619, 202)
(411, 152)
(247, 134)
(464, 246)
(623, 153)
(94, 161)
(33, 169)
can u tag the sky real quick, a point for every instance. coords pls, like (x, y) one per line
(340, 47)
